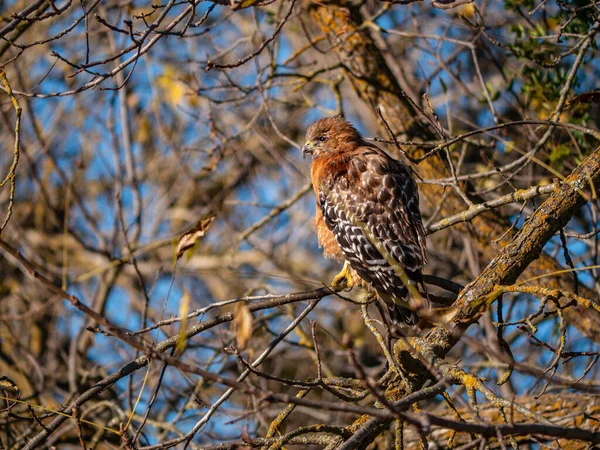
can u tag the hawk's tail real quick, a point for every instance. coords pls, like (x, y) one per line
(404, 307)
(401, 315)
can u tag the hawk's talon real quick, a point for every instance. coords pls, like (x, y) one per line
(343, 280)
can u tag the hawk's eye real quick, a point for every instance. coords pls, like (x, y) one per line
(322, 138)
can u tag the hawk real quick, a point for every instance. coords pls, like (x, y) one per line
(367, 215)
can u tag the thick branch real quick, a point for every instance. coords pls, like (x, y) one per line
(512, 261)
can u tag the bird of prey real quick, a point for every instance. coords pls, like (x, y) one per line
(368, 216)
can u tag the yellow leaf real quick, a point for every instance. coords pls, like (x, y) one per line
(188, 239)
(143, 131)
(184, 307)
(241, 4)
(171, 86)
(553, 24)
(467, 10)
(242, 321)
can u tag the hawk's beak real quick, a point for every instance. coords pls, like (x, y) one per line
(307, 149)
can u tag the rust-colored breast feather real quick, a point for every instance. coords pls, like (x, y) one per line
(322, 170)
(326, 239)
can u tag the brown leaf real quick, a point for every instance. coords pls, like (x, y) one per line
(242, 320)
(586, 97)
(246, 437)
(188, 239)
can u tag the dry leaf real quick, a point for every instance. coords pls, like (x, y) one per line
(246, 437)
(9, 385)
(242, 320)
(586, 97)
(184, 307)
(188, 239)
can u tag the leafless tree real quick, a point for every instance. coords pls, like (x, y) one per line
(161, 284)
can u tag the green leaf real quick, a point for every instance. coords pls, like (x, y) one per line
(559, 154)
(444, 87)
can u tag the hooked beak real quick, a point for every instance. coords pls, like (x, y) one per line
(307, 149)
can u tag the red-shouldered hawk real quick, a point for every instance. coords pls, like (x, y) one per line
(368, 214)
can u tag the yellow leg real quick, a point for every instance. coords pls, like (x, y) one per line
(343, 280)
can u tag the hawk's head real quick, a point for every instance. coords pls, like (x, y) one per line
(332, 134)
